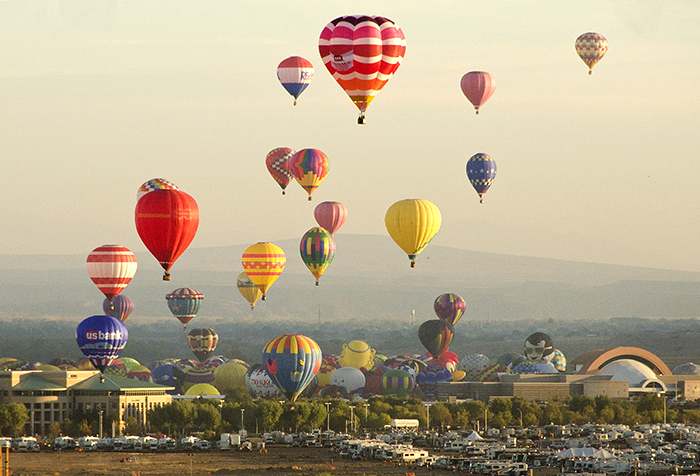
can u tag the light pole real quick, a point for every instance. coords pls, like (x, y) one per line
(521, 417)
(328, 415)
(101, 423)
(352, 418)
(427, 414)
(366, 405)
(664, 398)
(242, 422)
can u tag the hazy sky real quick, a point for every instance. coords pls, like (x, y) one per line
(98, 96)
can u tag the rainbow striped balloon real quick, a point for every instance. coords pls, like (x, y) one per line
(292, 361)
(362, 53)
(449, 307)
(317, 251)
(309, 167)
(263, 263)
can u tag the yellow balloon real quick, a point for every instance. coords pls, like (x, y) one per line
(412, 223)
(248, 289)
(263, 263)
(202, 389)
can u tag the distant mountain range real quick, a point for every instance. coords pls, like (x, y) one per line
(369, 280)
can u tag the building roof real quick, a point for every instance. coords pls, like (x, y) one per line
(35, 382)
(591, 362)
(115, 383)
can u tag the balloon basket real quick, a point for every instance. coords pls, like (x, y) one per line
(590, 71)
(166, 276)
(317, 282)
(264, 297)
(361, 120)
(284, 193)
(309, 197)
(102, 378)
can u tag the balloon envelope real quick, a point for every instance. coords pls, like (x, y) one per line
(436, 336)
(291, 361)
(317, 250)
(167, 222)
(412, 224)
(202, 342)
(259, 384)
(184, 303)
(101, 339)
(330, 215)
(155, 184)
(481, 170)
(309, 167)
(449, 307)
(248, 289)
(263, 263)
(591, 47)
(398, 383)
(295, 73)
(478, 87)
(120, 307)
(111, 268)
(277, 162)
(362, 53)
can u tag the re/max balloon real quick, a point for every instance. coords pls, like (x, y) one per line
(362, 53)
(263, 263)
(412, 224)
(167, 222)
(309, 167)
(330, 215)
(291, 361)
(277, 162)
(111, 268)
(481, 170)
(248, 289)
(478, 87)
(436, 336)
(120, 307)
(202, 342)
(101, 339)
(295, 73)
(184, 303)
(591, 47)
(317, 251)
(449, 307)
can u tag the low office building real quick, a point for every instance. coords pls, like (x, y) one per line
(52, 396)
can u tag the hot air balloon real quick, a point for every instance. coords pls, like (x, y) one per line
(317, 251)
(295, 73)
(111, 268)
(291, 361)
(412, 224)
(277, 162)
(101, 339)
(202, 342)
(478, 87)
(330, 215)
(398, 383)
(481, 170)
(263, 263)
(184, 303)
(155, 184)
(259, 384)
(362, 53)
(120, 307)
(436, 335)
(167, 222)
(449, 307)
(591, 47)
(248, 289)
(309, 167)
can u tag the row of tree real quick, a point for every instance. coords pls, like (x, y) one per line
(240, 411)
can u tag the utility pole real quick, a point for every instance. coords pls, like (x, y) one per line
(352, 418)
(328, 415)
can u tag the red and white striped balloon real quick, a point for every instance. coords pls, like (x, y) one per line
(362, 53)
(111, 268)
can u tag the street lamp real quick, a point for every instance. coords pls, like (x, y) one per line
(521, 417)
(352, 418)
(328, 415)
(101, 423)
(427, 412)
(366, 405)
(664, 397)
(242, 422)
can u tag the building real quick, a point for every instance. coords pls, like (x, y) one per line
(618, 373)
(52, 396)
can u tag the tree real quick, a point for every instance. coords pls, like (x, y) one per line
(440, 415)
(13, 417)
(83, 429)
(132, 427)
(552, 414)
(268, 413)
(206, 417)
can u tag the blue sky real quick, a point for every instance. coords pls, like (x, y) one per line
(97, 97)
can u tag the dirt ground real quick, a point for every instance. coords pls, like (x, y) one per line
(280, 460)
